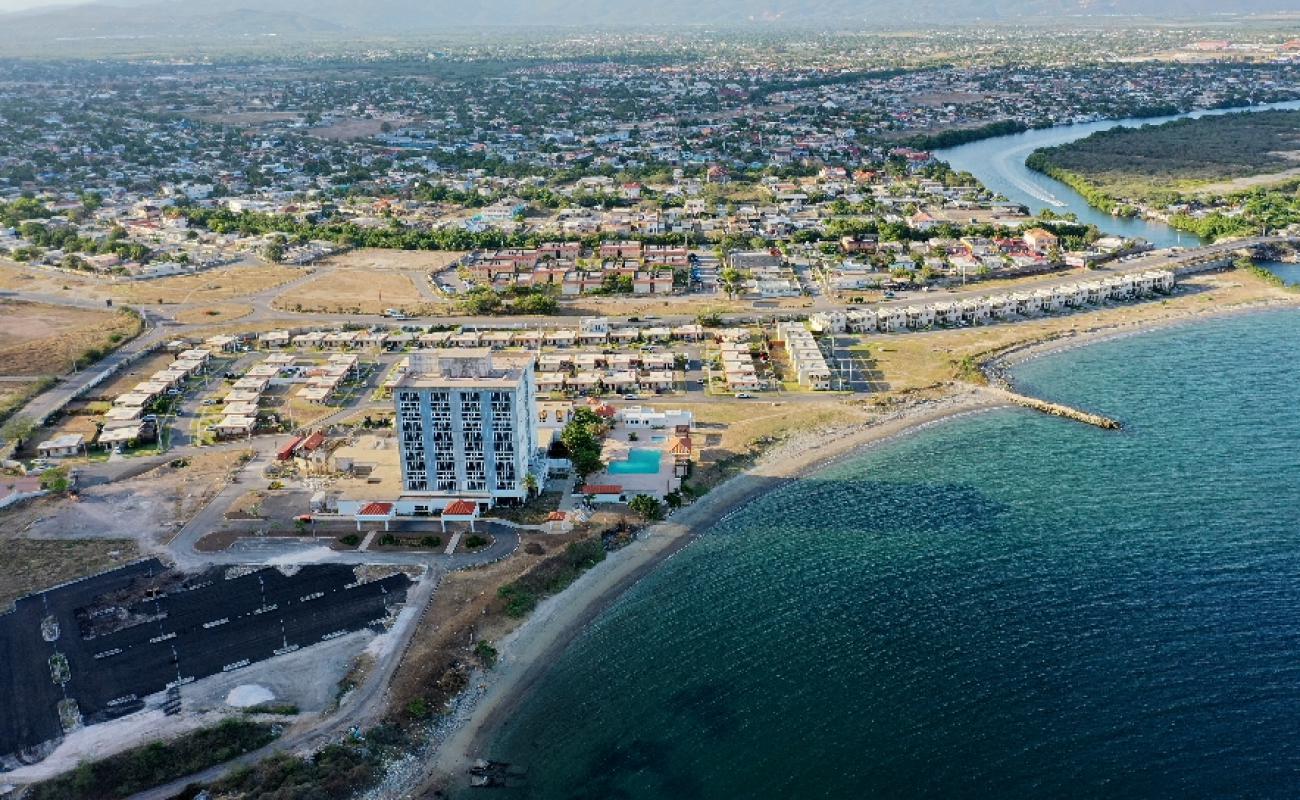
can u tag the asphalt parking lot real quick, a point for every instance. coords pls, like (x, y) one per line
(123, 642)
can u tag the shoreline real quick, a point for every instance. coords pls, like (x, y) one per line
(996, 365)
(528, 651)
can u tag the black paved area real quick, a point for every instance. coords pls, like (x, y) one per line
(186, 630)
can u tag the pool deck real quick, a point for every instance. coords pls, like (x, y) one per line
(657, 484)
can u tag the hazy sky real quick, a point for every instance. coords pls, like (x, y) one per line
(19, 5)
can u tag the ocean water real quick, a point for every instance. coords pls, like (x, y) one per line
(1003, 605)
(1289, 273)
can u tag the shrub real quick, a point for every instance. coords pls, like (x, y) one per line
(418, 708)
(144, 767)
(474, 542)
(486, 653)
(550, 576)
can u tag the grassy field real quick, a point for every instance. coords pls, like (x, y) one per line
(371, 258)
(213, 286)
(38, 339)
(1211, 154)
(908, 362)
(32, 564)
(358, 291)
(13, 394)
(221, 312)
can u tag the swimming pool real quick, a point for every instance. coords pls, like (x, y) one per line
(640, 461)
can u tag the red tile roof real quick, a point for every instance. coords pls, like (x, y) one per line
(460, 508)
(602, 488)
(376, 510)
(556, 516)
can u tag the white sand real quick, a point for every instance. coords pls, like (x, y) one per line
(249, 695)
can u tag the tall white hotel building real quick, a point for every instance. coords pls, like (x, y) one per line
(466, 426)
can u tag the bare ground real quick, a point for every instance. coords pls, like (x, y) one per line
(38, 339)
(146, 509)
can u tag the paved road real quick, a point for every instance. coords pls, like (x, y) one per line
(69, 388)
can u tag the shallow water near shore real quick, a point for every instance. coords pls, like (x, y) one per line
(1289, 273)
(1003, 605)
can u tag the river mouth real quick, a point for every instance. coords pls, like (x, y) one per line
(999, 164)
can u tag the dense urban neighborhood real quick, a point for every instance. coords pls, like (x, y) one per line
(341, 387)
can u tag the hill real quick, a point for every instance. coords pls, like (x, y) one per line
(134, 19)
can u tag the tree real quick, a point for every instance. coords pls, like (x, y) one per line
(482, 300)
(581, 437)
(17, 429)
(530, 484)
(647, 507)
(274, 250)
(733, 280)
(55, 480)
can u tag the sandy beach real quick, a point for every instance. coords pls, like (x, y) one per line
(525, 655)
(528, 651)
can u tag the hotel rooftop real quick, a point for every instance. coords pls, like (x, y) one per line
(469, 367)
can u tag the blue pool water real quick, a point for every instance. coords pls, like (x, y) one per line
(640, 461)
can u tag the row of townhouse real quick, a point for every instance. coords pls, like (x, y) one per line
(126, 421)
(977, 310)
(614, 380)
(240, 404)
(324, 381)
(738, 366)
(591, 331)
(805, 356)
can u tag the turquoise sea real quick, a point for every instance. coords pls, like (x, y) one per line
(1004, 605)
(1289, 273)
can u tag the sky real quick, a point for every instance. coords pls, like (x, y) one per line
(22, 5)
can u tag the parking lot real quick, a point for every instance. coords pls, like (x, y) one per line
(132, 632)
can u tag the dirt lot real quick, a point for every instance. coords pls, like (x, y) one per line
(32, 279)
(937, 99)
(38, 339)
(423, 261)
(32, 564)
(221, 312)
(346, 129)
(358, 291)
(14, 393)
(148, 508)
(210, 287)
(129, 376)
(244, 118)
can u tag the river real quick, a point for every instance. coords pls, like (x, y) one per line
(999, 163)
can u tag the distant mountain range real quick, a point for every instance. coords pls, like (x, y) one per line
(135, 18)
